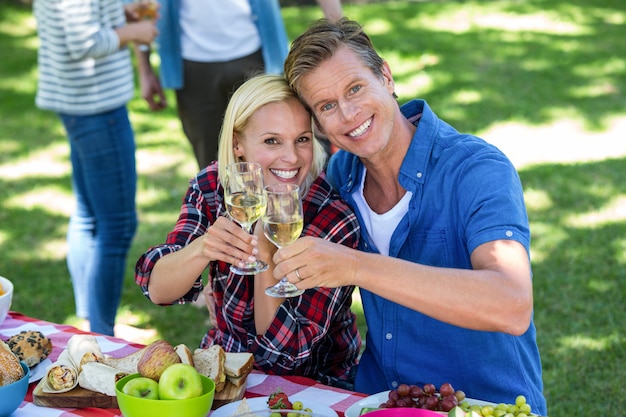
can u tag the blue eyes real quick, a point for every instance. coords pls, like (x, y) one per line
(329, 106)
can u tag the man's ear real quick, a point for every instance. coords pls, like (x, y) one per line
(388, 78)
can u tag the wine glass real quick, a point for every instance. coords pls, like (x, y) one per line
(147, 10)
(282, 224)
(245, 203)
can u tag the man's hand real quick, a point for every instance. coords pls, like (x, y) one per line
(151, 91)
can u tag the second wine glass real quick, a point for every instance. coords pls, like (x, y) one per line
(245, 203)
(282, 224)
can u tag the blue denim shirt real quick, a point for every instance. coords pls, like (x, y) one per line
(269, 21)
(465, 193)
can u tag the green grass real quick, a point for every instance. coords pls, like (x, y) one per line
(481, 65)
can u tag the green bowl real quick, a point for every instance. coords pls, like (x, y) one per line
(140, 407)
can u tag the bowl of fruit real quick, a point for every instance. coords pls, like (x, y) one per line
(180, 391)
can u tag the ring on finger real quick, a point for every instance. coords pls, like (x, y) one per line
(298, 274)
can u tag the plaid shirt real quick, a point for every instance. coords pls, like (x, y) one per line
(314, 334)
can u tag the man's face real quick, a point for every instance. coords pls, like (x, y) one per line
(354, 107)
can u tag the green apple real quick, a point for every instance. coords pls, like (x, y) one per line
(142, 387)
(180, 381)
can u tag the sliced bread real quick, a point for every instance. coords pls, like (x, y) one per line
(238, 364)
(126, 364)
(184, 353)
(210, 362)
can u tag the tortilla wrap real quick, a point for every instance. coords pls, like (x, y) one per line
(96, 376)
(61, 376)
(84, 348)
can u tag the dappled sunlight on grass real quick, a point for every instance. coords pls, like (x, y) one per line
(613, 211)
(584, 342)
(546, 238)
(48, 161)
(485, 16)
(49, 199)
(537, 200)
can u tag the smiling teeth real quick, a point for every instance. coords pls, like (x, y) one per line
(287, 175)
(359, 130)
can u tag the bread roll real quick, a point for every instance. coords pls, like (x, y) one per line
(10, 368)
(30, 346)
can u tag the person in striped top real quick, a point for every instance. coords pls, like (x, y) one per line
(86, 78)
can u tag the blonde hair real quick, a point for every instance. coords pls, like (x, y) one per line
(247, 99)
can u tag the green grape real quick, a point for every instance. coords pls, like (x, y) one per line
(486, 410)
(525, 408)
(297, 405)
(520, 400)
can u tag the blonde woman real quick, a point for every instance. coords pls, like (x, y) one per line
(314, 334)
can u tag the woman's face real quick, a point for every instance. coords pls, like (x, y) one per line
(280, 138)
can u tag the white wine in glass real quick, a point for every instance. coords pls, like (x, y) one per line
(245, 203)
(282, 224)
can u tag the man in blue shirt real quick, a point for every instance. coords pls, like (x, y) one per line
(443, 267)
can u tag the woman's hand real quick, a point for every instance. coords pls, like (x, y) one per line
(226, 241)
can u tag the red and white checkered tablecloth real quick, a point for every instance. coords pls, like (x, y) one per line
(258, 384)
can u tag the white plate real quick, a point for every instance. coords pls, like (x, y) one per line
(260, 403)
(377, 399)
(39, 371)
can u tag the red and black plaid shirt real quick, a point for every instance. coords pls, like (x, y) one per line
(313, 335)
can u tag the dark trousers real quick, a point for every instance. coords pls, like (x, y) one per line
(203, 99)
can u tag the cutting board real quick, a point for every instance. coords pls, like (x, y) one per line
(76, 398)
(82, 398)
(229, 394)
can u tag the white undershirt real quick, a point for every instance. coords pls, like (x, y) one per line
(380, 227)
(216, 31)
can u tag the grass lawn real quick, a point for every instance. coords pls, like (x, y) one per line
(545, 80)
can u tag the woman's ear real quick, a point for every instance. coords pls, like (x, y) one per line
(237, 148)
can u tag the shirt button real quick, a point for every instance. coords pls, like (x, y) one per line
(394, 384)
(419, 175)
(508, 233)
(388, 336)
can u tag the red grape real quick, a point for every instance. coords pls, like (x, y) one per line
(446, 389)
(448, 403)
(429, 389)
(432, 402)
(416, 391)
(403, 390)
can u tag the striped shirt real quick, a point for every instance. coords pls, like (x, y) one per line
(82, 69)
(313, 335)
